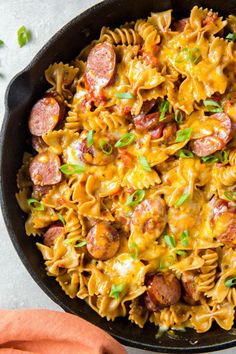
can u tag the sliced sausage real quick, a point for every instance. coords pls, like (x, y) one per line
(217, 141)
(158, 131)
(179, 25)
(44, 169)
(229, 236)
(162, 290)
(191, 294)
(45, 115)
(149, 122)
(100, 68)
(150, 216)
(147, 106)
(103, 241)
(52, 234)
(38, 144)
(40, 191)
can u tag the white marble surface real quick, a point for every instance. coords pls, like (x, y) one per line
(43, 18)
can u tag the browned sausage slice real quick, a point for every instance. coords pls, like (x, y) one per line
(229, 236)
(163, 290)
(179, 25)
(100, 66)
(44, 116)
(217, 141)
(44, 169)
(103, 241)
(191, 295)
(51, 235)
(38, 144)
(40, 191)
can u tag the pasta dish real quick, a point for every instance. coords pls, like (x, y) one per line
(129, 178)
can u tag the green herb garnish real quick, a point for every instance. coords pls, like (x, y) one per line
(182, 199)
(231, 37)
(71, 169)
(170, 241)
(116, 290)
(135, 198)
(230, 195)
(70, 240)
(192, 55)
(124, 95)
(133, 250)
(213, 106)
(178, 116)
(183, 135)
(210, 159)
(164, 107)
(184, 238)
(81, 244)
(1, 43)
(90, 139)
(23, 36)
(106, 147)
(219, 156)
(125, 140)
(35, 204)
(185, 154)
(181, 253)
(230, 282)
(62, 220)
(144, 163)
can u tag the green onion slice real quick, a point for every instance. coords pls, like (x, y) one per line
(178, 116)
(71, 169)
(90, 139)
(230, 282)
(170, 241)
(81, 244)
(164, 107)
(125, 140)
(230, 195)
(182, 199)
(185, 154)
(184, 238)
(62, 220)
(135, 198)
(70, 240)
(231, 37)
(23, 36)
(106, 147)
(210, 159)
(1, 43)
(181, 253)
(124, 95)
(213, 106)
(193, 55)
(144, 163)
(35, 204)
(116, 290)
(183, 135)
(133, 249)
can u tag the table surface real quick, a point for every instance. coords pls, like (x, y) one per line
(17, 288)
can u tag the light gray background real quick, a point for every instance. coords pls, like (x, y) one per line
(43, 18)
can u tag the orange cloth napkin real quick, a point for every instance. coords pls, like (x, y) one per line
(51, 332)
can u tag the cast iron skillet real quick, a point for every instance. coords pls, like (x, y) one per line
(22, 92)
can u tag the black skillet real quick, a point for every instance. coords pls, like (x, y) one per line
(21, 94)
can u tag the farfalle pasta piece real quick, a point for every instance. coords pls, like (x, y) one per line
(59, 140)
(161, 20)
(206, 21)
(60, 76)
(30, 229)
(44, 218)
(59, 197)
(138, 314)
(22, 199)
(73, 225)
(138, 178)
(69, 282)
(175, 316)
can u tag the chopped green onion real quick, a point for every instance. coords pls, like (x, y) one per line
(164, 107)
(212, 106)
(182, 199)
(178, 116)
(71, 169)
(184, 238)
(231, 37)
(144, 163)
(125, 140)
(116, 290)
(62, 220)
(230, 282)
(70, 240)
(81, 244)
(230, 196)
(183, 135)
(185, 154)
(35, 204)
(23, 36)
(1, 43)
(170, 241)
(224, 156)
(124, 95)
(106, 147)
(181, 253)
(90, 139)
(210, 159)
(133, 249)
(135, 198)
(166, 262)
(193, 55)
